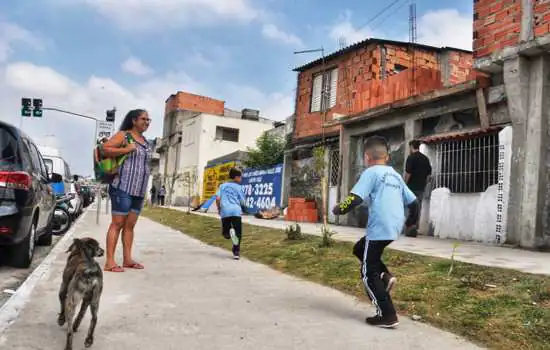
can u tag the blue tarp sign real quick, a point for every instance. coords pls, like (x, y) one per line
(262, 188)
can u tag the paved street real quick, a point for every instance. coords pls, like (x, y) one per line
(11, 278)
(194, 296)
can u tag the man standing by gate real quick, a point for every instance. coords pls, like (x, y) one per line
(417, 172)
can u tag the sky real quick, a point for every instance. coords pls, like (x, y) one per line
(87, 56)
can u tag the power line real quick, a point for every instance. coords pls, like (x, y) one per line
(404, 2)
(379, 14)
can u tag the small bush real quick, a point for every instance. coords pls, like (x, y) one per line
(294, 232)
(326, 237)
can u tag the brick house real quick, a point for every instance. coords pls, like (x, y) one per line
(512, 45)
(372, 87)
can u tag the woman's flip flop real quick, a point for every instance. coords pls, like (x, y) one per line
(114, 269)
(136, 266)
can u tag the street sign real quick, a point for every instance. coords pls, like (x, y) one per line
(104, 129)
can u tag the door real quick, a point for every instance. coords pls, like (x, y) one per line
(40, 186)
(333, 183)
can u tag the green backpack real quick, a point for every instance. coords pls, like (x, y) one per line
(106, 169)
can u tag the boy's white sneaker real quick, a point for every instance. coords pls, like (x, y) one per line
(234, 237)
(236, 257)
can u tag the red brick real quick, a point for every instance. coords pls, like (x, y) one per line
(195, 103)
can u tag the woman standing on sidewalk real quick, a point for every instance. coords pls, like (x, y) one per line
(129, 186)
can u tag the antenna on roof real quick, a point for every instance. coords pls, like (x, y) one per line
(412, 43)
(342, 42)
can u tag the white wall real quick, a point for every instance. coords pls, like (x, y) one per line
(210, 148)
(199, 144)
(467, 216)
(477, 217)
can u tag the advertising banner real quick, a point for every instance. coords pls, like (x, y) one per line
(262, 188)
(213, 177)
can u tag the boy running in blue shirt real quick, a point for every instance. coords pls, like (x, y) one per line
(386, 194)
(230, 202)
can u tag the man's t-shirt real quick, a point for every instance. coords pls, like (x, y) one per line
(387, 195)
(231, 197)
(418, 165)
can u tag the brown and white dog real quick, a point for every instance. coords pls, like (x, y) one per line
(82, 282)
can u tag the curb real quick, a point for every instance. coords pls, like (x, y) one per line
(16, 303)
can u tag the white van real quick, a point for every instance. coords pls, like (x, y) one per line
(56, 164)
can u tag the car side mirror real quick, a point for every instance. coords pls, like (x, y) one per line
(55, 177)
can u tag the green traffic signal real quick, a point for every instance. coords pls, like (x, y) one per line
(26, 112)
(37, 113)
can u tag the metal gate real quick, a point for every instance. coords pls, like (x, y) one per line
(333, 183)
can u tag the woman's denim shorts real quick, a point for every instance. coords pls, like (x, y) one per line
(122, 203)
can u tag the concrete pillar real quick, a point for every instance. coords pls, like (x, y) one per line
(445, 68)
(413, 129)
(347, 155)
(526, 84)
(287, 175)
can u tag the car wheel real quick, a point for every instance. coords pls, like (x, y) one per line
(22, 253)
(46, 238)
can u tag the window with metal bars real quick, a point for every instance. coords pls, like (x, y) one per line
(467, 165)
(334, 167)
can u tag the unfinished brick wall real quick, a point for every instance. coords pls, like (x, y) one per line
(460, 66)
(195, 103)
(497, 24)
(541, 20)
(373, 76)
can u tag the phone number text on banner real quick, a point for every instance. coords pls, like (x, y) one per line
(262, 188)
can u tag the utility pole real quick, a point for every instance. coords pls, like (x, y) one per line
(324, 108)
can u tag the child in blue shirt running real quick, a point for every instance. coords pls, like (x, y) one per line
(230, 202)
(386, 194)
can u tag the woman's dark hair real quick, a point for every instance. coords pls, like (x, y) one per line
(128, 122)
(234, 172)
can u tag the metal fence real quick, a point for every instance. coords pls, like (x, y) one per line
(467, 165)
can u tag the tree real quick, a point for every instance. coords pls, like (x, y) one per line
(189, 181)
(170, 181)
(270, 150)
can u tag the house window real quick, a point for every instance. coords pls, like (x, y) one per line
(467, 165)
(227, 134)
(323, 94)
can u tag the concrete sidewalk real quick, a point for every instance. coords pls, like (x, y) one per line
(470, 252)
(193, 296)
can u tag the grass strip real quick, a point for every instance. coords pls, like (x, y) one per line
(496, 308)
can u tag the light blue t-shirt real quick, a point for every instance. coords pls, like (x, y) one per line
(387, 195)
(231, 197)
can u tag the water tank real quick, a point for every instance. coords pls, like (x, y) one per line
(250, 114)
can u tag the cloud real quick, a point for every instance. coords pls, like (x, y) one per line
(97, 94)
(134, 66)
(11, 35)
(271, 31)
(446, 27)
(159, 14)
(343, 28)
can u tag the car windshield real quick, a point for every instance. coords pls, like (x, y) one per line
(8, 150)
(49, 165)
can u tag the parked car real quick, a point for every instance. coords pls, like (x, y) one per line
(27, 200)
(57, 164)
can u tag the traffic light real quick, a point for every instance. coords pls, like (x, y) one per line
(37, 110)
(26, 107)
(110, 115)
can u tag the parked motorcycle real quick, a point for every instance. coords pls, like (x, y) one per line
(62, 219)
